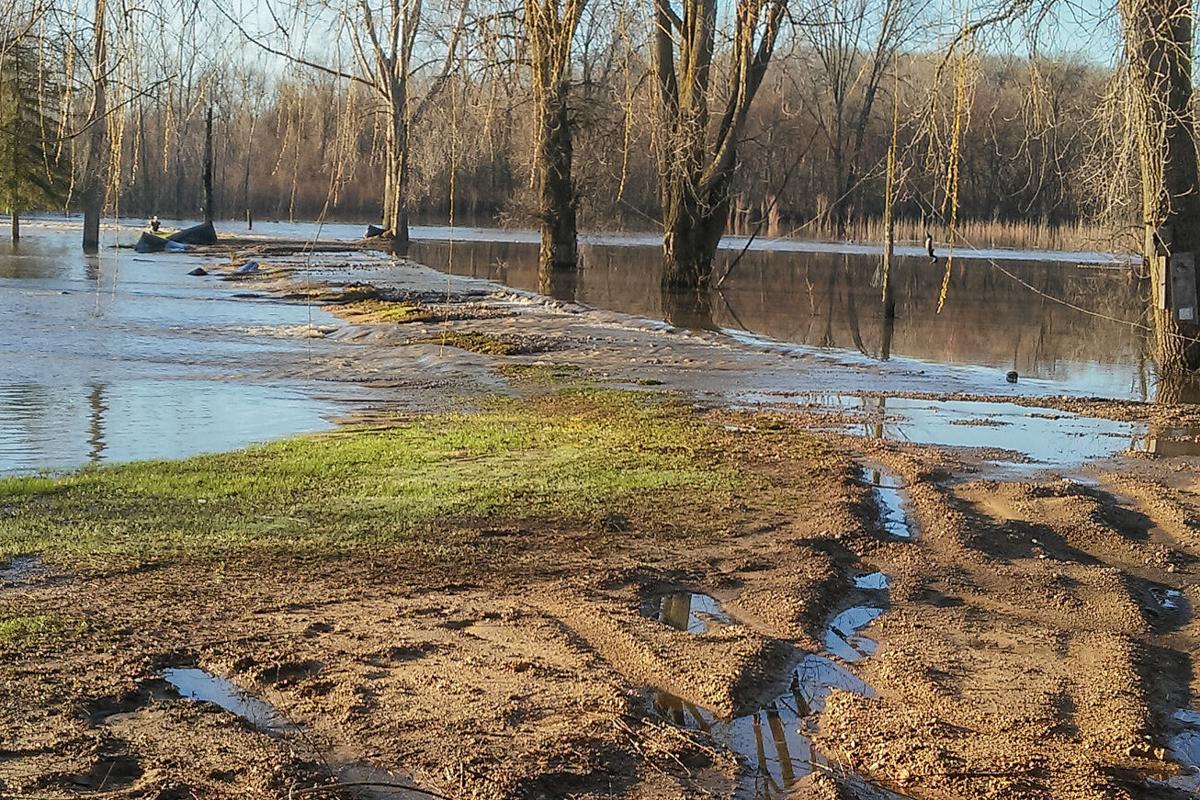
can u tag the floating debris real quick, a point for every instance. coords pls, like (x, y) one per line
(686, 611)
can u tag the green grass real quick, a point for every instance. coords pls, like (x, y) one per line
(384, 311)
(476, 342)
(572, 455)
(23, 631)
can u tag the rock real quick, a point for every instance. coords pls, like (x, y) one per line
(198, 271)
(248, 267)
(1012, 376)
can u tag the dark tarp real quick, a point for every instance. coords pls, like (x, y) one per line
(197, 234)
(149, 243)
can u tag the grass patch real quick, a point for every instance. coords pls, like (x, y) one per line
(572, 455)
(23, 631)
(477, 342)
(543, 375)
(384, 311)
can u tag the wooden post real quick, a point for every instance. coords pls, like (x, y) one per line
(208, 169)
(94, 182)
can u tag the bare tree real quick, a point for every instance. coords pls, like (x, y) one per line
(1158, 47)
(853, 43)
(696, 157)
(550, 27)
(383, 38)
(94, 182)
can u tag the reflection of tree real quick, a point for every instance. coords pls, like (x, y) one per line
(96, 412)
(688, 308)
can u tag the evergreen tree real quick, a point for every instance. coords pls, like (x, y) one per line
(33, 174)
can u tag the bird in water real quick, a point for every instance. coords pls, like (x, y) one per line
(929, 247)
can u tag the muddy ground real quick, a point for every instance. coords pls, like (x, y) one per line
(1026, 650)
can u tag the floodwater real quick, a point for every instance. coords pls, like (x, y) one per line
(119, 356)
(804, 294)
(685, 611)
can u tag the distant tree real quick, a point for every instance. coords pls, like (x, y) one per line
(32, 174)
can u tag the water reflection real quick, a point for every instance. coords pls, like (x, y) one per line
(828, 300)
(117, 356)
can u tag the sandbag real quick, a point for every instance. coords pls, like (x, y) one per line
(149, 243)
(203, 233)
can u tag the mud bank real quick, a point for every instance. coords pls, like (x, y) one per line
(480, 585)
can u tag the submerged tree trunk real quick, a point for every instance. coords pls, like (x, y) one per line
(1158, 45)
(395, 211)
(696, 160)
(556, 200)
(550, 27)
(92, 195)
(16, 226)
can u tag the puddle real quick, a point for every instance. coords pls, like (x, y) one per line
(1185, 751)
(22, 569)
(1169, 600)
(360, 779)
(872, 582)
(889, 496)
(1035, 436)
(773, 741)
(842, 637)
(196, 684)
(686, 611)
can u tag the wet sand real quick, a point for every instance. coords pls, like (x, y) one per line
(1033, 639)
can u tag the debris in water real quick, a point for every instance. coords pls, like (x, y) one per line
(686, 611)
(1012, 376)
(196, 684)
(198, 271)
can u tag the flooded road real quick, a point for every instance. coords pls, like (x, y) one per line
(119, 356)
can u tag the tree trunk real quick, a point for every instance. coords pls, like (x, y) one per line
(208, 168)
(1158, 44)
(395, 211)
(92, 194)
(692, 231)
(559, 248)
(16, 226)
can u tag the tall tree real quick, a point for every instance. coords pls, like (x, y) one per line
(383, 37)
(94, 183)
(31, 173)
(853, 42)
(550, 27)
(696, 159)
(1158, 48)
